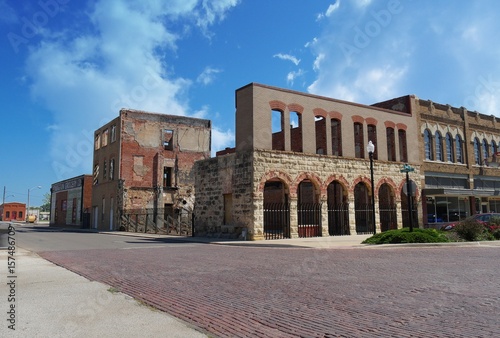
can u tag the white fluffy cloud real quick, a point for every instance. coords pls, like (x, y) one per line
(121, 61)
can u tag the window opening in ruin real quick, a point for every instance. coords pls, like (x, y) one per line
(167, 177)
(359, 148)
(391, 144)
(112, 169)
(113, 133)
(97, 142)
(403, 146)
(320, 128)
(372, 136)
(104, 168)
(336, 137)
(168, 139)
(296, 131)
(278, 135)
(96, 174)
(105, 137)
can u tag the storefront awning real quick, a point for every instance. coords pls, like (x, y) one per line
(462, 192)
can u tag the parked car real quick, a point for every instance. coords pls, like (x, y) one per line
(481, 218)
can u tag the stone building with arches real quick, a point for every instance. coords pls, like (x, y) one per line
(300, 168)
(460, 160)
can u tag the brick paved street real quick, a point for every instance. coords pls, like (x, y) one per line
(231, 291)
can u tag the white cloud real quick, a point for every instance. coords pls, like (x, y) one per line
(290, 78)
(207, 76)
(332, 8)
(287, 57)
(221, 139)
(85, 78)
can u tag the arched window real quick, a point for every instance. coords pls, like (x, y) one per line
(439, 146)
(359, 145)
(477, 151)
(278, 135)
(391, 144)
(336, 137)
(403, 149)
(449, 148)
(486, 151)
(458, 149)
(493, 148)
(372, 136)
(428, 145)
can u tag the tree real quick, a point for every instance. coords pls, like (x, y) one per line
(46, 202)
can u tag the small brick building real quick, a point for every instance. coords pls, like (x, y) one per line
(13, 211)
(71, 202)
(143, 175)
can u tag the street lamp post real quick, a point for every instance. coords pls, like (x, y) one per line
(371, 149)
(407, 169)
(28, 206)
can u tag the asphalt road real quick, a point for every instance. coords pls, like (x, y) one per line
(241, 291)
(43, 238)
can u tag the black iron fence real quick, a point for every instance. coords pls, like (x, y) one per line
(309, 219)
(276, 220)
(388, 217)
(338, 219)
(364, 218)
(156, 221)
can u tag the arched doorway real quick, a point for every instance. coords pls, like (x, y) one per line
(387, 208)
(276, 210)
(338, 210)
(363, 209)
(308, 210)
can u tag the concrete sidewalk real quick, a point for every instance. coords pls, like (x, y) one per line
(51, 301)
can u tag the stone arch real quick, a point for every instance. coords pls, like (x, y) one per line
(341, 179)
(335, 115)
(314, 178)
(275, 175)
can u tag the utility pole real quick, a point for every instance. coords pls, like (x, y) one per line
(3, 200)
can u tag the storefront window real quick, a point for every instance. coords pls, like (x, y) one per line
(447, 209)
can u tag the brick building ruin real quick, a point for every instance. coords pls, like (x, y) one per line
(143, 177)
(300, 168)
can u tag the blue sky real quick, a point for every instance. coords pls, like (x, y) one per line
(69, 66)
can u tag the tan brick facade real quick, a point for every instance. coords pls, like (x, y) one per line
(285, 165)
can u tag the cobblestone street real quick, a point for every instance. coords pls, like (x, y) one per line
(233, 291)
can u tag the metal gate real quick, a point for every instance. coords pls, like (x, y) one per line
(276, 220)
(338, 219)
(388, 218)
(153, 221)
(309, 219)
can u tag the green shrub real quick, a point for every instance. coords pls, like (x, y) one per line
(471, 230)
(405, 236)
